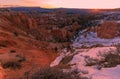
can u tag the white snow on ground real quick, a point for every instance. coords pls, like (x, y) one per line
(78, 61)
(58, 59)
(91, 72)
(92, 39)
(108, 73)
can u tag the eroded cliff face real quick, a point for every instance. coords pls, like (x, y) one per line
(29, 41)
(108, 29)
(43, 28)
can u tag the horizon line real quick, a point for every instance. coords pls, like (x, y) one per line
(15, 6)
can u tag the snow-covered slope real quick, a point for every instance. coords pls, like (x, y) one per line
(92, 39)
(78, 63)
(91, 71)
(82, 56)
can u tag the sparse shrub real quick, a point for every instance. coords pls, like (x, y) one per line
(97, 45)
(15, 33)
(6, 43)
(53, 73)
(118, 48)
(21, 58)
(66, 59)
(12, 65)
(56, 49)
(12, 61)
(110, 59)
(12, 51)
(91, 61)
(3, 45)
(83, 46)
(113, 57)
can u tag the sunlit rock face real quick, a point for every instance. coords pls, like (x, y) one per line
(2, 73)
(35, 37)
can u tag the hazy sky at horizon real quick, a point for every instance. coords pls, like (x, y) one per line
(64, 3)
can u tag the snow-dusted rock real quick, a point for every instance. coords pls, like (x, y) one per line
(92, 39)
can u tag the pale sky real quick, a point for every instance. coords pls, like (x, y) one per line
(64, 3)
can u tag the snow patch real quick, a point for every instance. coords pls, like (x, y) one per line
(58, 59)
(91, 72)
(92, 39)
